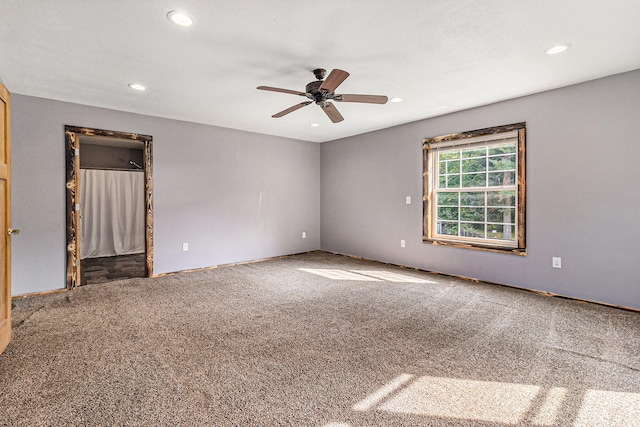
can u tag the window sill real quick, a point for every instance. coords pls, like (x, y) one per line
(479, 247)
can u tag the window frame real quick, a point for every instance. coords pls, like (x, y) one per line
(432, 145)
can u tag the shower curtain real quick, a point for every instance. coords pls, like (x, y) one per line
(112, 209)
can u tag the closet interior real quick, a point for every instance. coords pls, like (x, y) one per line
(112, 205)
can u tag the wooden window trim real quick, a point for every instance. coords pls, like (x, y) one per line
(432, 142)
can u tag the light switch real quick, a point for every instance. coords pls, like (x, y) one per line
(407, 200)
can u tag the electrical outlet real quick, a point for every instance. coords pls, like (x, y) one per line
(304, 234)
(185, 247)
(556, 262)
(402, 243)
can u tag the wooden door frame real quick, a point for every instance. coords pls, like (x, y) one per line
(72, 155)
(5, 174)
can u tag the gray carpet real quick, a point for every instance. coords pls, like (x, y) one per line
(343, 343)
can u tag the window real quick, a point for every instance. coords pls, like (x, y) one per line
(474, 185)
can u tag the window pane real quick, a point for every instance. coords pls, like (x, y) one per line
(474, 165)
(506, 215)
(442, 181)
(468, 229)
(474, 180)
(472, 198)
(453, 166)
(447, 199)
(448, 228)
(474, 152)
(448, 155)
(502, 232)
(502, 163)
(502, 149)
(499, 179)
(453, 181)
(443, 167)
(472, 214)
(447, 213)
(501, 198)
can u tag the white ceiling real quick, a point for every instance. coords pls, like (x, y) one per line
(440, 56)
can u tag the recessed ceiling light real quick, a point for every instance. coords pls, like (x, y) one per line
(314, 125)
(554, 50)
(137, 86)
(396, 100)
(180, 18)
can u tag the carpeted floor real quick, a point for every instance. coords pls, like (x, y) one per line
(318, 340)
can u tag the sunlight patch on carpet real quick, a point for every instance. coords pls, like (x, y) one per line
(335, 274)
(392, 277)
(499, 402)
(454, 398)
(548, 412)
(386, 390)
(364, 275)
(609, 409)
(472, 400)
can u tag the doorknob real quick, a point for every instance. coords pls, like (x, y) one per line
(13, 231)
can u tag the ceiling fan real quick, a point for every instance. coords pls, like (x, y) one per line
(321, 91)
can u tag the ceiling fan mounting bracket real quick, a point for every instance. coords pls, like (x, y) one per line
(319, 73)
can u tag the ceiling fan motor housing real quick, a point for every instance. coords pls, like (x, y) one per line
(313, 92)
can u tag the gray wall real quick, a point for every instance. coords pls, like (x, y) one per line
(583, 200)
(233, 196)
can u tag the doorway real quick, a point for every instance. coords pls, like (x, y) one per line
(109, 158)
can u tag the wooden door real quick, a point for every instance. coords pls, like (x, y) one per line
(5, 218)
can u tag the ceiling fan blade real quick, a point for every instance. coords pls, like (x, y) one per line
(277, 89)
(335, 78)
(332, 112)
(368, 99)
(291, 109)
